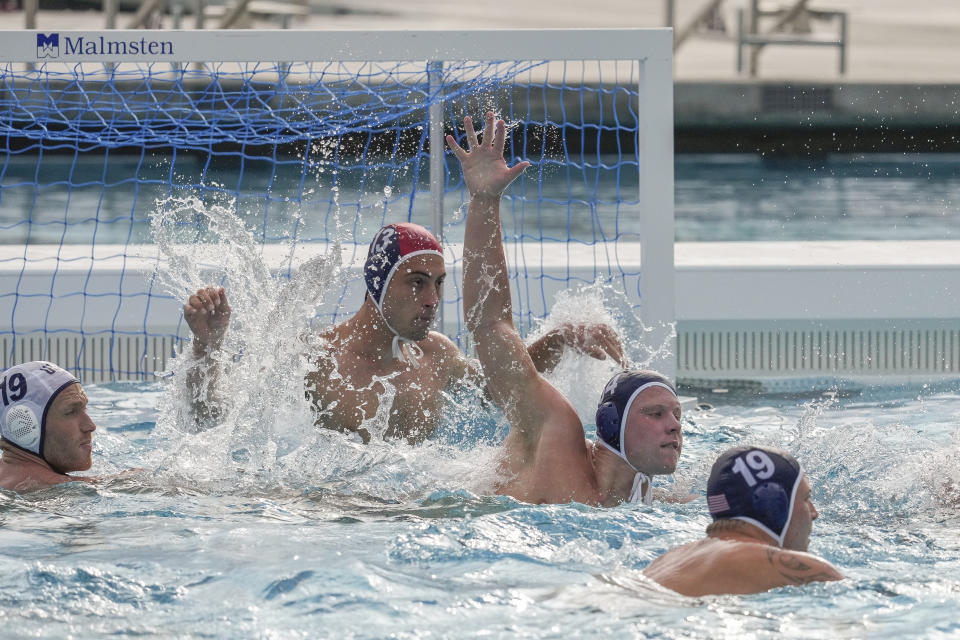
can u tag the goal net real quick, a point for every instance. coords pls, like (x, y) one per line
(307, 138)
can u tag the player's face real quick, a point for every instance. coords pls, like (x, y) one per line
(68, 439)
(801, 521)
(414, 295)
(654, 437)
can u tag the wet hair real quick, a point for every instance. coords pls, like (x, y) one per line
(725, 524)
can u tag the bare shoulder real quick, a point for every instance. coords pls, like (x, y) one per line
(327, 339)
(322, 343)
(323, 350)
(766, 567)
(438, 343)
(798, 567)
(449, 361)
(25, 482)
(717, 566)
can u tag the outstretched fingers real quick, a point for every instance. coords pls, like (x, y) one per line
(500, 136)
(610, 343)
(485, 171)
(514, 171)
(595, 340)
(488, 128)
(456, 148)
(472, 142)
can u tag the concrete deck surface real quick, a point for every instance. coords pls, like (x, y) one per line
(891, 41)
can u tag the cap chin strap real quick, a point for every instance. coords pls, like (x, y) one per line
(637, 495)
(396, 347)
(619, 455)
(398, 341)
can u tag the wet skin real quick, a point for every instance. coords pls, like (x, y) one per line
(654, 435)
(354, 360)
(344, 389)
(68, 443)
(67, 447)
(740, 558)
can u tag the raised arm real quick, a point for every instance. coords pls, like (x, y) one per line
(545, 451)
(207, 313)
(486, 286)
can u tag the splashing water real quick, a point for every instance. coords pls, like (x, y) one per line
(579, 377)
(266, 412)
(266, 436)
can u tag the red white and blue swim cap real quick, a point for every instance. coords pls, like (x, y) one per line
(26, 393)
(756, 485)
(392, 245)
(615, 402)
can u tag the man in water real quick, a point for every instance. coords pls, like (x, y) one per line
(388, 338)
(45, 432)
(546, 458)
(762, 517)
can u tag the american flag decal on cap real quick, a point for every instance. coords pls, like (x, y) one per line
(717, 503)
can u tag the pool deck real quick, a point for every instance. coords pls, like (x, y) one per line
(745, 311)
(901, 90)
(891, 41)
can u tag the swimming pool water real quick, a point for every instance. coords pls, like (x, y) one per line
(398, 541)
(718, 197)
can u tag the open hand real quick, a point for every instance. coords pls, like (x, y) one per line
(485, 172)
(207, 313)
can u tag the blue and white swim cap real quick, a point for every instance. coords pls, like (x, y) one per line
(757, 485)
(26, 393)
(615, 402)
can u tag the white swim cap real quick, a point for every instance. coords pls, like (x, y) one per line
(26, 392)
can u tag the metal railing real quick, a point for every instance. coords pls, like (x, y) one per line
(749, 35)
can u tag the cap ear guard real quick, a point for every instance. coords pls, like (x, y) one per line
(615, 401)
(392, 245)
(771, 499)
(22, 428)
(608, 424)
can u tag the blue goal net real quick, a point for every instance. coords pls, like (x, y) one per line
(302, 155)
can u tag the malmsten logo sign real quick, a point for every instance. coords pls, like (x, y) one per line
(52, 45)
